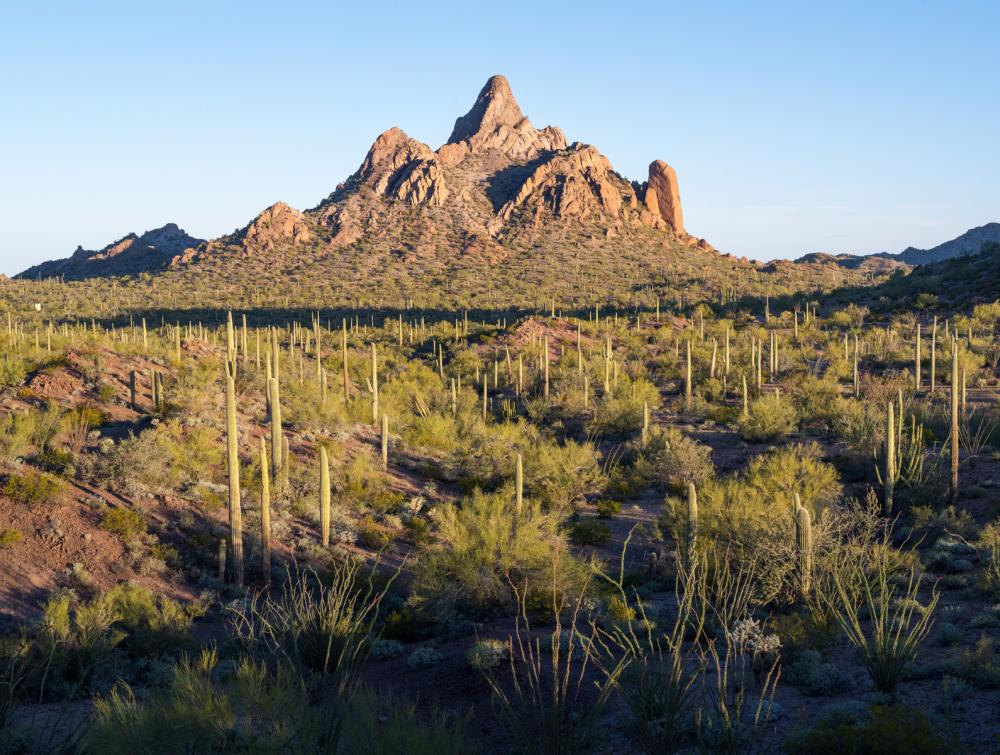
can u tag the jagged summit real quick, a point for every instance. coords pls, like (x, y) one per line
(496, 122)
(497, 185)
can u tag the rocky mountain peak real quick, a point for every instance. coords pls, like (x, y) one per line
(494, 107)
(496, 122)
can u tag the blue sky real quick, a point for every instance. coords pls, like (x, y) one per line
(793, 127)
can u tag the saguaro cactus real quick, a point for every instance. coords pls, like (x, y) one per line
(688, 379)
(265, 515)
(385, 443)
(233, 465)
(133, 404)
(343, 343)
(324, 496)
(374, 386)
(274, 391)
(645, 422)
(692, 523)
(916, 361)
(518, 484)
(889, 474)
(803, 541)
(955, 379)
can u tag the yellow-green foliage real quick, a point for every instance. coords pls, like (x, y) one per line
(124, 523)
(771, 417)
(761, 497)
(481, 546)
(32, 489)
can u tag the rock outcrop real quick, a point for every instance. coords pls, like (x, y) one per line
(578, 182)
(495, 122)
(663, 197)
(129, 255)
(400, 168)
(278, 224)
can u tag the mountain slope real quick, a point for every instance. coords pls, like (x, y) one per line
(969, 242)
(129, 255)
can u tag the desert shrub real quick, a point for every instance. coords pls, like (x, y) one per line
(558, 477)
(589, 532)
(153, 625)
(380, 724)
(798, 468)
(486, 654)
(9, 537)
(885, 730)
(424, 658)
(677, 459)
(770, 417)
(762, 497)
(809, 673)
(482, 547)
(32, 489)
(383, 648)
(979, 666)
(373, 535)
(125, 523)
(135, 465)
(607, 508)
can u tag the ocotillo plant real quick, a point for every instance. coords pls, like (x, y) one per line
(803, 541)
(324, 496)
(233, 466)
(265, 515)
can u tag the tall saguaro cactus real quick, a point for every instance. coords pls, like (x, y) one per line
(688, 378)
(803, 542)
(519, 484)
(955, 381)
(374, 385)
(692, 523)
(265, 515)
(889, 474)
(277, 446)
(324, 496)
(233, 466)
(385, 442)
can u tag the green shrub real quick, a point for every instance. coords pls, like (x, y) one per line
(770, 417)
(607, 508)
(125, 523)
(32, 489)
(9, 537)
(589, 532)
(482, 547)
(893, 730)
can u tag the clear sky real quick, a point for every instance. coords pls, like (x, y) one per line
(793, 127)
